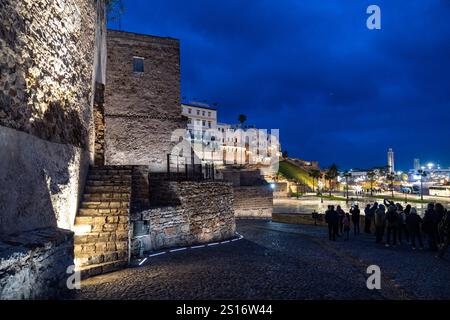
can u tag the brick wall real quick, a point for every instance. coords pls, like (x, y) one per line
(141, 109)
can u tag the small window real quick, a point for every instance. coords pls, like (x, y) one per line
(189, 121)
(189, 110)
(209, 114)
(204, 123)
(209, 124)
(198, 112)
(138, 64)
(203, 113)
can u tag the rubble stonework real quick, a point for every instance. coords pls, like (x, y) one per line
(34, 265)
(46, 65)
(204, 214)
(142, 109)
(253, 202)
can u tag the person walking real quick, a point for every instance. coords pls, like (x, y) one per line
(380, 223)
(356, 214)
(413, 222)
(430, 227)
(331, 218)
(341, 216)
(346, 223)
(444, 232)
(392, 225)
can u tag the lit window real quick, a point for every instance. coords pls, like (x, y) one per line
(138, 64)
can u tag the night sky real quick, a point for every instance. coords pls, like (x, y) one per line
(337, 91)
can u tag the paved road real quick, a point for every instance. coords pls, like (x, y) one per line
(278, 261)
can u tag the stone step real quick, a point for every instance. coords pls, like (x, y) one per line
(85, 229)
(98, 248)
(112, 197)
(93, 237)
(102, 212)
(108, 189)
(100, 219)
(105, 204)
(101, 268)
(97, 177)
(86, 259)
(110, 167)
(100, 183)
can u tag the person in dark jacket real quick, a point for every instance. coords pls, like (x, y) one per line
(356, 213)
(331, 218)
(392, 225)
(341, 216)
(444, 231)
(367, 219)
(430, 227)
(413, 222)
(402, 229)
(380, 223)
(440, 212)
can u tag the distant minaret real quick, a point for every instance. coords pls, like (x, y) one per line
(416, 165)
(390, 156)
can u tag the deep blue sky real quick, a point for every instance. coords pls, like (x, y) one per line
(337, 91)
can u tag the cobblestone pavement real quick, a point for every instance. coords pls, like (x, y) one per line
(278, 261)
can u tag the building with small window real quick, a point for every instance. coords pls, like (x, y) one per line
(142, 99)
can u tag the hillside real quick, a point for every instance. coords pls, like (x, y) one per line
(292, 172)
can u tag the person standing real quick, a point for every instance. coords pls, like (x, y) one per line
(346, 223)
(402, 230)
(380, 223)
(444, 232)
(355, 212)
(367, 220)
(331, 218)
(392, 225)
(341, 216)
(440, 213)
(430, 227)
(413, 222)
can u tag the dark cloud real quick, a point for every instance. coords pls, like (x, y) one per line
(338, 91)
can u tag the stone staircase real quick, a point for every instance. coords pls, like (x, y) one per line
(101, 226)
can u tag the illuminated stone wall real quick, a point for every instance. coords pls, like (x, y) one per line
(203, 213)
(253, 202)
(46, 90)
(141, 109)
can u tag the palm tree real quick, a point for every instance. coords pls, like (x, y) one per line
(242, 118)
(371, 176)
(331, 174)
(315, 174)
(391, 178)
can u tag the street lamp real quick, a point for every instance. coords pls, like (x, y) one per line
(422, 174)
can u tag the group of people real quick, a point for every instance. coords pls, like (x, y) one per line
(398, 224)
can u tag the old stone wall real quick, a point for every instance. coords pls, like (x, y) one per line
(253, 202)
(142, 109)
(204, 214)
(34, 265)
(46, 94)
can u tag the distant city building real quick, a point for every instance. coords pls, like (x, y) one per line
(416, 165)
(222, 143)
(390, 158)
